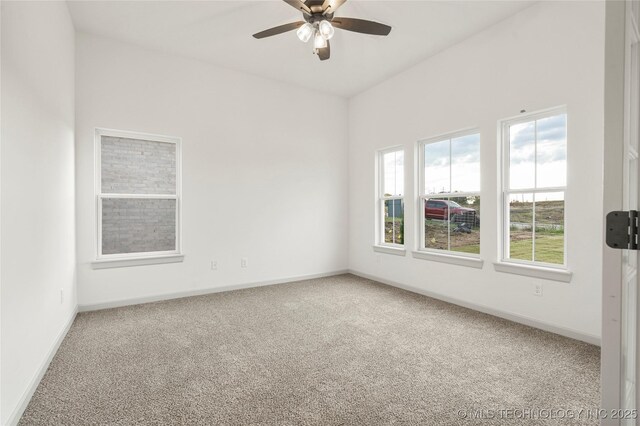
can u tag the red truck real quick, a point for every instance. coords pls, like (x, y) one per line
(446, 209)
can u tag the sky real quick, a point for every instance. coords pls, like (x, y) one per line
(453, 165)
(550, 149)
(394, 173)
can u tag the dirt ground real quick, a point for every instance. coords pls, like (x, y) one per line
(394, 227)
(436, 236)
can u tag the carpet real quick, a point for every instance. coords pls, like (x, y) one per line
(332, 351)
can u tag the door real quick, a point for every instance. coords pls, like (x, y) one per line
(620, 283)
(629, 268)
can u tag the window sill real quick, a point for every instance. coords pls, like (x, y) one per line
(390, 250)
(471, 262)
(534, 271)
(136, 261)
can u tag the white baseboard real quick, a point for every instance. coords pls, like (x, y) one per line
(521, 319)
(203, 291)
(14, 417)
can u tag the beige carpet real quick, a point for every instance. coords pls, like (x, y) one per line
(332, 351)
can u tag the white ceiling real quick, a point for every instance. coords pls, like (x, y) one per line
(220, 32)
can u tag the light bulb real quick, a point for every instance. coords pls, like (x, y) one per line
(326, 29)
(305, 32)
(319, 42)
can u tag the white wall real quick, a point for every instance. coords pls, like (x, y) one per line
(264, 170)
(37, 163)
(549, 55)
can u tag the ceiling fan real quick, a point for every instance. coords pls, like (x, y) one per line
(319, 23)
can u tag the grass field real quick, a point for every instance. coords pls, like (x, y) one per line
(549, 239)
(549, 235)
(549, 246)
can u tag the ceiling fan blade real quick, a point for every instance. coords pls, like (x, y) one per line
(330, 6)
(299, 6)
(325, 52)
(278, 30)
(361, 26)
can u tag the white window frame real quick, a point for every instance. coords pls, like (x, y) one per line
(422, 197)
(381, 245)
(506, 192)
(140, 258)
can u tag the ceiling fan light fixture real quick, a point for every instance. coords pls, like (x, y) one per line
(319, 41)
(326, 30)
(320, 24)
(305, 32)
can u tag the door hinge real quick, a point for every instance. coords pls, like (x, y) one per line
(622, 230)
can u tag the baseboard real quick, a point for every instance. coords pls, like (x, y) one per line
(200, 292)
(521, 319)
(15, 416)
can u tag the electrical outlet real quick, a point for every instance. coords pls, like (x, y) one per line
(214, 265)
(538, 290)
(244, 262)
(61, 295)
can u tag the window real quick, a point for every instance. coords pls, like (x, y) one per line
(449, 191)
(391, 197)
(534, 186)
(137, 195)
